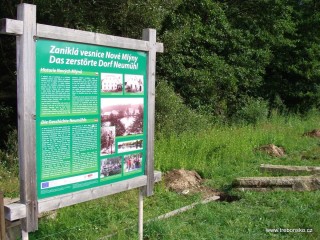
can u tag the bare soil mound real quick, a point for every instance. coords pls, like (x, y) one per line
(313, 133)
(272, 150)
(187, 182)
(180, 180)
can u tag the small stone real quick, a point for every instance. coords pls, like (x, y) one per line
(185, 192)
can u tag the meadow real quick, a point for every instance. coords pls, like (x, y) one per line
(219, 154)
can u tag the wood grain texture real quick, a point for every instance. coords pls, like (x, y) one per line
(61, 201)
(15, 27)
(15, 211)
(11, 27)
(2, 219)
(140, 215)
(26, 115)
(289, 169)
(73, 35)
(150, 35)
(27, 30)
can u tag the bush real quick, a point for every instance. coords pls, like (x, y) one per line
(172, 115)
(254, 111)
(6, 120)
(9, 155)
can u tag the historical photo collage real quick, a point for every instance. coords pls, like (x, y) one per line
(121, 125)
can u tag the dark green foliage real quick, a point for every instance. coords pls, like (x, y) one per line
(221, 57)
(9, 153)
(7, 123)
(288, 30)
(211, 64)
(173, 116)
(254, 111)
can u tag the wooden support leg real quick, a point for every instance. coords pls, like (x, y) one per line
(140, 223)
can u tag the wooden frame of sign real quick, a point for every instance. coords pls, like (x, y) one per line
(27, 30)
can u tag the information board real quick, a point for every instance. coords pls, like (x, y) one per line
(91, 115)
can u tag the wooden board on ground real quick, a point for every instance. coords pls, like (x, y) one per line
(299, 183)
(289, 169)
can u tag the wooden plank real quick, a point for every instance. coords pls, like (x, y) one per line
(2, 219)
(15, 27)
(11, 27)
(289, 169)
(61, 201)
(12, 224)
(150, 35)
(13, 229)
(267, 181)
(296, 183)
(73, 35)
(260, 189)
(26, 115)
(17, 211)
(140, 215)
(183, 209)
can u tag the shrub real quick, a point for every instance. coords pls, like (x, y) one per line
(254, 111)
(9, 155)
(172, 115)
(6, 120)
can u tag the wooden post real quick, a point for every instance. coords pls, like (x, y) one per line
(26, 116)
(140, 222)
(2, 219)
(150, 35)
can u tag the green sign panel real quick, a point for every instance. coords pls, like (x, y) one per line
(91, 108)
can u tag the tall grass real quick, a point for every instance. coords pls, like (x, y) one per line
(9, 182)
(226, 152)
(219, 154)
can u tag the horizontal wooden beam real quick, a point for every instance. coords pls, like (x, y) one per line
(17, 211)
(15, 27)
(11, 27)
(73, 35)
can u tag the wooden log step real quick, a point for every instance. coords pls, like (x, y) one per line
(289, 169)
(299, 183)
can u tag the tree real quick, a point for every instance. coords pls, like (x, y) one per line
(212, 65)
(288, 30)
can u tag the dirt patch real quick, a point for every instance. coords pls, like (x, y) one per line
(182, 180)
(187, 182)
(314, 133)
(272, 150)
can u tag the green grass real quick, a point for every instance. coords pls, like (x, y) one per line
(9, 182)
(223, 153)
(246, 219)
(220, 155)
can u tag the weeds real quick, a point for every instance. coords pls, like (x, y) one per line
(219, 155)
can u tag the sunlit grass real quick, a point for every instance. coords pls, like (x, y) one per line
(220, 155)
(224, 153)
